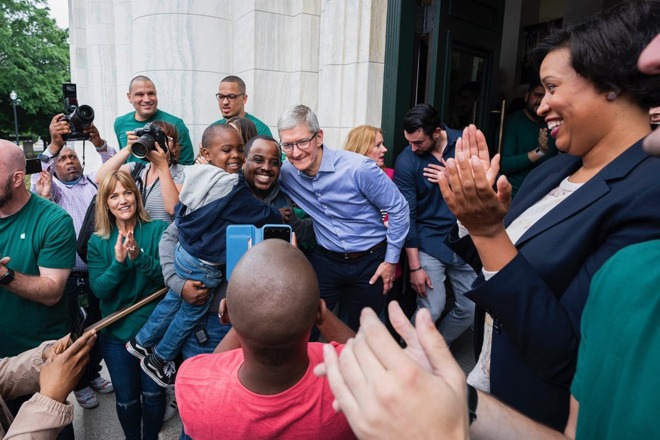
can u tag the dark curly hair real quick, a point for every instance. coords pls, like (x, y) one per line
(604, 49)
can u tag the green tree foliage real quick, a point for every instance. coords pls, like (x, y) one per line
(34, 61)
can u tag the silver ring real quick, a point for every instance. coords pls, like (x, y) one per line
(131, 249)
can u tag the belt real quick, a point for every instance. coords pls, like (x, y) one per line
(354, 255)
(79, 275)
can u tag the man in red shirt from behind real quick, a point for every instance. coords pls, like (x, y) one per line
(266, 388)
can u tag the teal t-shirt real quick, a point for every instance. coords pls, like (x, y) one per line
(128, 122)
(41, 234)
(521, 135)
(262, 129)
(619, 356)
(118, 285)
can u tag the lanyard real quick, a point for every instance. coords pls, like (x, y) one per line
(145, 193)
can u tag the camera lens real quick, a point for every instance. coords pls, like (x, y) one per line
(82, 117)
(143, 145)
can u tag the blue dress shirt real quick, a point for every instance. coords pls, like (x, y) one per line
(345, 198)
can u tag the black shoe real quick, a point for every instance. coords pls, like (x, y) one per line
(162, 372)
(137, 350)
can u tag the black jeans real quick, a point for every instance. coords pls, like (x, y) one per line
(78, 293)
(346, 283)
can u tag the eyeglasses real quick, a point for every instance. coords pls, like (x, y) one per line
(302, 144)
(230, 98)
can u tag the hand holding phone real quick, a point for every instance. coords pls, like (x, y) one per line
(78, 325)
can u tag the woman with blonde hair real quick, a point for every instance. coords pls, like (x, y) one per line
(124, 267)
(368, 141)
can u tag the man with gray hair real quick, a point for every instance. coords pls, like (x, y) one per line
(344, 193)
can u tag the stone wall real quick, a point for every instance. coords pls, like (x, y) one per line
(327, 54)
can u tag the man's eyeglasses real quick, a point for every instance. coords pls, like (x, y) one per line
(302, 144)
(230, 98)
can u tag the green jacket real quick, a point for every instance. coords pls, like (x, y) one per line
(118, 285)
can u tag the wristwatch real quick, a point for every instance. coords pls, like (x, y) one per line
(539, 152)
(7, 278)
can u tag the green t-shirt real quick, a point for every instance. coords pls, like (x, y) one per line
(619, 356)
(41, 234)
(118, 285)
(128, 122)
(262, 129)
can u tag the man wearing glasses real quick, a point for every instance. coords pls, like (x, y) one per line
(231, 100)
(143, 97)
(344, 193)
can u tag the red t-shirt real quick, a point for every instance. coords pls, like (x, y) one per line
(214, 404)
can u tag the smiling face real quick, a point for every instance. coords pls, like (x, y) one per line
(377, 151)
(307, 160)
(226, 151)
(262, 167)
(68, 167)
(231, 109)
(144, 99)
(122, 203)
(570, 104)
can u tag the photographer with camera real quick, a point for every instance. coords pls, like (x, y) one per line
(62, 181)
(161, 179)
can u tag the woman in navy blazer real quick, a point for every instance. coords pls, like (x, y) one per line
(596, 106)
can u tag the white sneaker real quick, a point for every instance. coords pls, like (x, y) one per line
(170, 404)
(101, 385)
(86, 398)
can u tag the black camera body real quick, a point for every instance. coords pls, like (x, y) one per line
(78, 117)
(148, 136)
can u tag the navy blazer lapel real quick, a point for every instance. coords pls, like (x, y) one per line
(540, 182)
(590, 192)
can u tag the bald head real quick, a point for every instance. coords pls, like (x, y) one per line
(11, 157)
(273, 295)
(13, 193)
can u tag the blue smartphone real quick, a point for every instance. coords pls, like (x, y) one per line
(240, 238)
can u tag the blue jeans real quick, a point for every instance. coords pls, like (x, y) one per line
(461, 276)
(174, 319)
(140, 401)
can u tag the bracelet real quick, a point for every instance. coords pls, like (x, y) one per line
(415, 270)
(102, 147)
(472, 401)
(539, 152)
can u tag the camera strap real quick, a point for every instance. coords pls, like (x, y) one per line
(145, 193)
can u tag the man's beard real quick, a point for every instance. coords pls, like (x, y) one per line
(7, 194)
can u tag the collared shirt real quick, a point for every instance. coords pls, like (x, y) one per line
(75, 198)
(430, 217)
(345, 198)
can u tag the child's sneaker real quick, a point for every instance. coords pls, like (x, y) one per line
(86, 398)
(137, 350)
(162, 372)
(101, 385)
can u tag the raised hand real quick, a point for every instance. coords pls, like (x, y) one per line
(44, 184)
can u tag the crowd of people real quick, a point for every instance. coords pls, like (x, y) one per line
(557, 283)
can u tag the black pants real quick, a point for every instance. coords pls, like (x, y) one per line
(346, 283)
(78, 293)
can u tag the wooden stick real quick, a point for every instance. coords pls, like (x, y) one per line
(119, 314)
